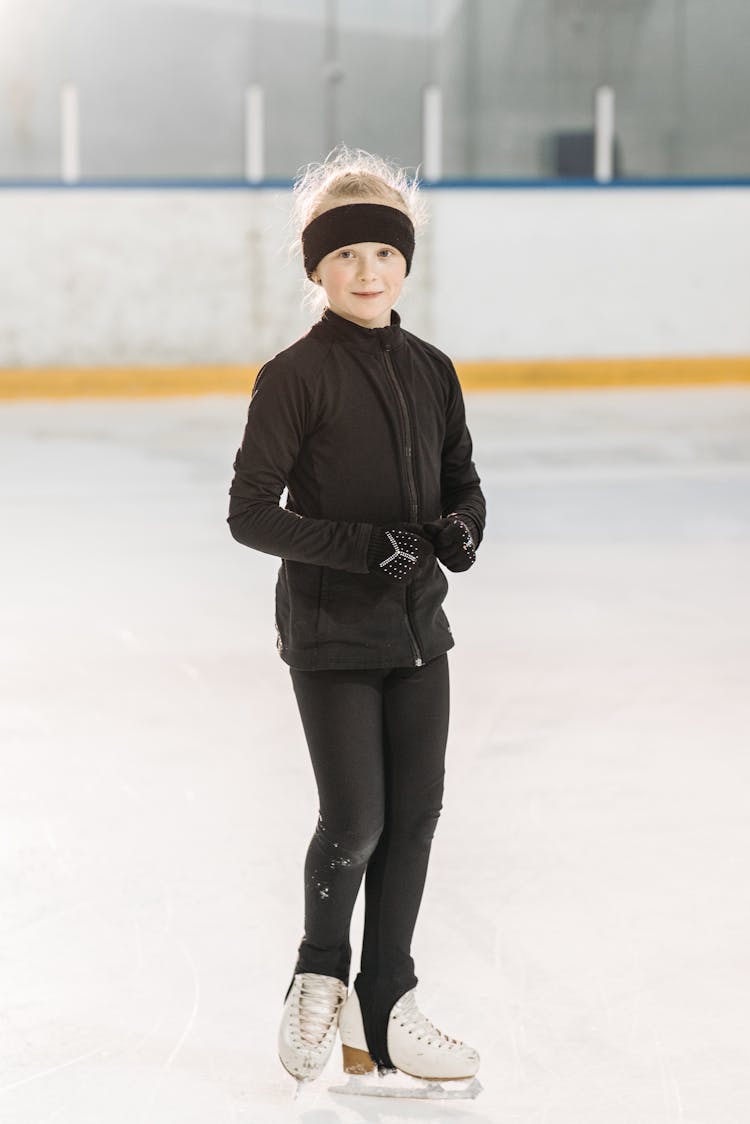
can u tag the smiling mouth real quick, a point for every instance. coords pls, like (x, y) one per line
(378, 294)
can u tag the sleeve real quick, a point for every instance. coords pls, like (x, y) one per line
(460, 489)
(278, 419)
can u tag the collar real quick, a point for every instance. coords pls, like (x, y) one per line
(333, 326)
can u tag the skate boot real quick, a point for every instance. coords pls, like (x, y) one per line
(417, 1049)
(308, 1024)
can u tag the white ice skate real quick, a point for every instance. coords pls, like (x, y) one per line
(308, 1024)
(423, 1055)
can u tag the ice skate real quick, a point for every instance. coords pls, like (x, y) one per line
(424, 1057)
(308, 1024)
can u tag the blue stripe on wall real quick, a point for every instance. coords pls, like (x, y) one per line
(442, 185)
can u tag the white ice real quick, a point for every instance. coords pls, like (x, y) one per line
(586, 920)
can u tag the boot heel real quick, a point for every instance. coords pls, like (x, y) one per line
(357, 1061)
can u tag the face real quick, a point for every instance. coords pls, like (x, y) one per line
(363, 281)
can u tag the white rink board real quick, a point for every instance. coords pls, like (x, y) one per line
(179, 278)
(586, 913)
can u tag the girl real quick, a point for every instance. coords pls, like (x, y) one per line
(364, 424)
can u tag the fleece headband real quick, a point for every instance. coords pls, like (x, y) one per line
(357, 222)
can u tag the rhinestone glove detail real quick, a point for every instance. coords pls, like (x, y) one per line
(454, 541)
(397, 552)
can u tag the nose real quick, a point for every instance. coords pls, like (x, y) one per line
(367, 268)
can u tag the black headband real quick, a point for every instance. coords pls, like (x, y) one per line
(357, 222)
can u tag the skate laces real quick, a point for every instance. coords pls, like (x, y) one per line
(319, 1001)
(409, 1015)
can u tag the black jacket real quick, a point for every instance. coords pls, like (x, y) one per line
(364, 426)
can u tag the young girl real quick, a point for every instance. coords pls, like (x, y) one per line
(364, 424)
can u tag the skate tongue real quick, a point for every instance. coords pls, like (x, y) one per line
(407, 1007)
(319, 1003)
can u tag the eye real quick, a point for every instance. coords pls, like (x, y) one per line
(386, 250)
(343, 253)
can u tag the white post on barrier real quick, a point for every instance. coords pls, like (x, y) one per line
(432, 133)
(70, 134)
(604, 134)
(254, 133)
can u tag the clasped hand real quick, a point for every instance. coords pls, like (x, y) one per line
(453, 542)
(400, 550)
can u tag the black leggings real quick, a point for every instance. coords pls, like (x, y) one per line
(377, 743)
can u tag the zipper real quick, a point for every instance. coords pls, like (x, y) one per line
(411, 485)
(408, 449)
(415, 647)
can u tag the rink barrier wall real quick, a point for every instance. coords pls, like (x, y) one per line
(190, 278)
(507, 375)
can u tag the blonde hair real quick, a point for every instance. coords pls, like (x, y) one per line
(347, 175)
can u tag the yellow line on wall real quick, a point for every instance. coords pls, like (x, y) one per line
(126, 382)
(519, 374)
(559, 374)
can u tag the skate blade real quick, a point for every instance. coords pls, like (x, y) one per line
(400, 1085)
(299, 1082)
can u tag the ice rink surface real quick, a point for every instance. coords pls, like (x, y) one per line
(586, 921)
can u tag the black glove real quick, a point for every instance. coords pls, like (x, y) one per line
(398, 551)
(454, 540)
